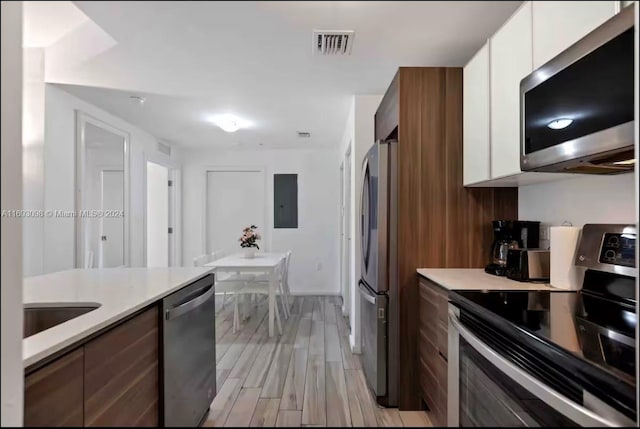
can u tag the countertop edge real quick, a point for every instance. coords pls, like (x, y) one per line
(76, 339)
(499, 283)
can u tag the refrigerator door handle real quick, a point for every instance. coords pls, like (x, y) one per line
(366, 295)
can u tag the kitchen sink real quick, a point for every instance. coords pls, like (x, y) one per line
(39, 317)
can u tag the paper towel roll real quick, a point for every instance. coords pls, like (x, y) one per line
(563, 244)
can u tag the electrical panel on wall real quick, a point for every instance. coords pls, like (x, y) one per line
(285, 200)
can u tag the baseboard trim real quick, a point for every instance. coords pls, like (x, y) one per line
(308, 293)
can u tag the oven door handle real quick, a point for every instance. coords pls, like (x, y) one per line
(562, 404)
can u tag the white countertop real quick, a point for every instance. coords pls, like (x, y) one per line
(476, 279)
(119, 291)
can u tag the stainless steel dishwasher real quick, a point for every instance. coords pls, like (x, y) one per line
(189, 353)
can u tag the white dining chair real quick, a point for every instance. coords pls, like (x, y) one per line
(88, 259)
(258, 287)
(222, 287)
(199, 261)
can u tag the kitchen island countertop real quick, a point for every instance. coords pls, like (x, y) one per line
(119, 291)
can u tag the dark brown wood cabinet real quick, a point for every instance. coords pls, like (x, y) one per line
(111, 380)
(53, 394)
(121, 374)
(441, 224)
(432, 349)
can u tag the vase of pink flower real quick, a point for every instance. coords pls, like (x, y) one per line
(249, 241)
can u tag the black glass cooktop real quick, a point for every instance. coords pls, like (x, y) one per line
(589, 334)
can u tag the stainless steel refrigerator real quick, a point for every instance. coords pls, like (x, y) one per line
(378, 278)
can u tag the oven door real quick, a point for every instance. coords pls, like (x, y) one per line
(487, 389)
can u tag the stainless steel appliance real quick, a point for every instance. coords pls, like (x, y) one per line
(552, 358)
(378, 282)
(528, 265)
(577, 110)
(507, 235)
(189, 353)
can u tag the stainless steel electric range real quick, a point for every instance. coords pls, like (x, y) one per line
(565, 358)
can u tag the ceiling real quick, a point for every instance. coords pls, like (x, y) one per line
(192, 60)
(46, 22)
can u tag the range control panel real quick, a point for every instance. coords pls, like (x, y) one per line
(618, 249)
(608, 247)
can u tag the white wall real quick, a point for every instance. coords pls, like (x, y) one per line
(360, 134)
(59, 184)
(315, 243)
(580, 200)
(11, 199)
(33, 159)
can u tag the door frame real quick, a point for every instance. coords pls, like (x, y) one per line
(82, 119)
(174, 211)
(266, 231)
(347, 231)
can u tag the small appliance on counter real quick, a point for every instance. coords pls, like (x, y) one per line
(509, 235)
(528, 265)
(551, 357)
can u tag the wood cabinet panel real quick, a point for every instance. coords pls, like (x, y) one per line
(441, 224)
(433, 395)
(432, 348)
(53, 393)
(122, 374)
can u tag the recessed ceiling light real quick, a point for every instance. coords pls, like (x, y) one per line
(230, 123)
(559, 124)
(137, 98)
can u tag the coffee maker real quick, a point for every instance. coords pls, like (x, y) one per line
(511, 234)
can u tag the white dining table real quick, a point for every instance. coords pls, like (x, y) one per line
(267, 262)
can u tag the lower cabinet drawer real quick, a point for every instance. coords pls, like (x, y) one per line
(433, 395)
(432, 359)
(53, 393)
(443, 340)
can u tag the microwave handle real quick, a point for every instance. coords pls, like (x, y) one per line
(568, 408)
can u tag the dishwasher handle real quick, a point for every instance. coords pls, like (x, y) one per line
(181, 309)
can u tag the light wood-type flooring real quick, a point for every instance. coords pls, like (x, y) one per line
(305, 377)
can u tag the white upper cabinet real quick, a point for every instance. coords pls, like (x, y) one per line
(511, 61)
(476, 136)
(559, 24)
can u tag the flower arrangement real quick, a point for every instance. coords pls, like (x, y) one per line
(249, 237)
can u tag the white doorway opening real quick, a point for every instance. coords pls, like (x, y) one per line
(102, 187)
(234, 199)
(157, 216)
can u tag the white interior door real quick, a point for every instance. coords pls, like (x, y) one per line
(112, 227)
(235, 200)
(157, 215)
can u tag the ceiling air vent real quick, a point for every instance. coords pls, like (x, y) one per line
(164, 148)
(304, 134)
(333, 42)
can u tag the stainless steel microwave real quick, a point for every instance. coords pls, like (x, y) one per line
(577, 110)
